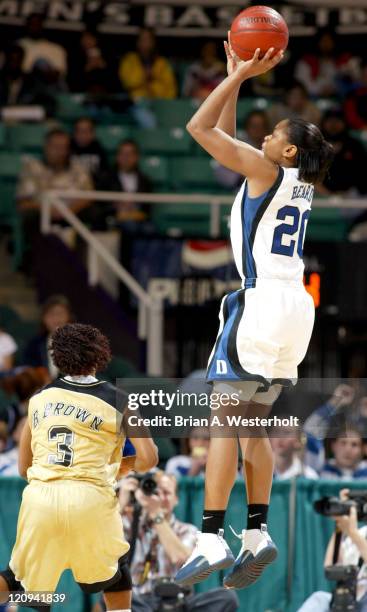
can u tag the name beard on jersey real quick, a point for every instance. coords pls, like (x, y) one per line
(76, 412)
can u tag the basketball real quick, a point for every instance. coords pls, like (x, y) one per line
(258, 27)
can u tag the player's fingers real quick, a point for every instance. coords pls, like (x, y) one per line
(268, 55)
(256, 55)
(277, 57)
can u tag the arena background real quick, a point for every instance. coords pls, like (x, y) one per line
(165, 320)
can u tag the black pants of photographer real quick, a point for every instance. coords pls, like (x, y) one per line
(216, 600)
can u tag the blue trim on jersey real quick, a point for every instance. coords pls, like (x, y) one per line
(250, 208)
(230, 309)
(252, 211)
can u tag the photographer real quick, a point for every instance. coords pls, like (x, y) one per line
(353, 548)
(160, 544)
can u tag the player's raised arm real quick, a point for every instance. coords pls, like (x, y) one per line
(238, 156)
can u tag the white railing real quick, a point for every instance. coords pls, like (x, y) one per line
(150, 310)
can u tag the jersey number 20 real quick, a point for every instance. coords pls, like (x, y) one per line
(290, 229)
(64, 438)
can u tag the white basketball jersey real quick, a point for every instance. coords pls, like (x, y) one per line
(267, 233)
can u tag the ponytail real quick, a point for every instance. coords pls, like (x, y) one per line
(314, 153)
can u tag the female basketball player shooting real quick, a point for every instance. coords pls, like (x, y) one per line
(70, 452)
(265, 327)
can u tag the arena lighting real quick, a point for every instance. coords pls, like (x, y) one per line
(313, 287)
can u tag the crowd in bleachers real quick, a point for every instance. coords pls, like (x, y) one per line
(330, 443)
(92, 105)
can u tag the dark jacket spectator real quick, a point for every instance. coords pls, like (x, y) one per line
(88, 69)
(356, 103)
(56, 311)
(128, 178)
(347, 172)
(86, 149)
(14, 83)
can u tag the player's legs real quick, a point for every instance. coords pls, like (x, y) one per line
(212, 552)
(39, 555)
(257, 549)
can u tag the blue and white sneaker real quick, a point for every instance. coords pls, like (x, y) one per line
(210, 554)
(257, 551)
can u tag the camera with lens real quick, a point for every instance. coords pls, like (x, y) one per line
(171, 597)
(147, 482)
(344, 594)
(334, 506)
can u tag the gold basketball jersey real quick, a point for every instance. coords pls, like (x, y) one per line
(76, 432)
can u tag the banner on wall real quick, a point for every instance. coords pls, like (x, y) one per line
(183, 17)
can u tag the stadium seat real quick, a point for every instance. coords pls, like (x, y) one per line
(246, 105)
(174, 113)
(110, 136)
(156, 168)
(327, 224)
(194, 172)
(8, 316)
(190, 220)
(360, 135)
(27, 138)
(70, 106)
(9, 217)
(10, 165)
(2, 136)
(175, 141)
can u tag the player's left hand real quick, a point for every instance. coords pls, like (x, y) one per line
(256, 66)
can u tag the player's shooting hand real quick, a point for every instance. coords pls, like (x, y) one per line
(232, 59)
(256, 66)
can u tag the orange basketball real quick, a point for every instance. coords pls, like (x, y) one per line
(258, 27)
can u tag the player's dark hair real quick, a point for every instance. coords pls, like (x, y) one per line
(79, 350)
(314, 153)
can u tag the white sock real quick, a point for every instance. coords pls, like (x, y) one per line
(124, 610)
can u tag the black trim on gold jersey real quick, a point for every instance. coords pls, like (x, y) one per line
(102, 389)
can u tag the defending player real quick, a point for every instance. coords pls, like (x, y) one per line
(265, 327)
(70, 452)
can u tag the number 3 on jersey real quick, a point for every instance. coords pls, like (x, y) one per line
(290, 229)
(64, 438)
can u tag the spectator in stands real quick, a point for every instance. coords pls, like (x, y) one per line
(86, 149)
(256, 127)
(55, 171)
(21, 384)
(128, 178)
(14, 84)
(352, 552)
(194, 463)
(145, 73)
(346, 175)
(297, 104)
(56, 312)
(9, 457)
(160, 544)
(347, 462)
(322, 73)
(356, 102)
(37, 47)
(287, 447)
(317, 425)
(204, 75)
(8, 348)
(88, 68)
